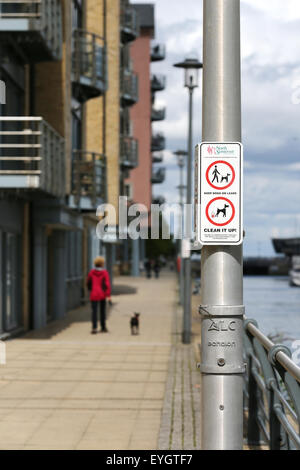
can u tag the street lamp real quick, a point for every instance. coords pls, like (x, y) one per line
(181, 159)
(191, 81)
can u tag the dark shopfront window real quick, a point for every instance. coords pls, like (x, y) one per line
(10, 280)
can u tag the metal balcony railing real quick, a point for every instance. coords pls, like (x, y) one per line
(89, 76)
(36, 26)
(158, 114)
(158, 82)
(128, 152)
(31, 155)
(129, 24)
(157, 157)
(129, 87)
(158, 176)
(89, 176)
(158, 200)
(271, 392)
(158, 52)
(158, 143)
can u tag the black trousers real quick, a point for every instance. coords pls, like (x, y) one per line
(102, 304)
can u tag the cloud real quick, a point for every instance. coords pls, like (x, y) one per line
(270, 43)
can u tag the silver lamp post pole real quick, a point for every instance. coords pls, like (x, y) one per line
(191, 67)
(181, 156)
(221, 266)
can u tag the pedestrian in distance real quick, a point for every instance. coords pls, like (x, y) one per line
(148, 268)
(156, 268)
(98, 283)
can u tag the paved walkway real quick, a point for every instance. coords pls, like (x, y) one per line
(63, 388)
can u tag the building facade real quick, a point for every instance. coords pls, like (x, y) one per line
(143, 52)
(65, 148)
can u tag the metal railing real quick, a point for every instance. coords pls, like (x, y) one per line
(29, 19)
(128, 152)
(129, 23)
(158, 82)
(89, 176)
(158, 200)
(31, 155)
(271, 392)
(158, 176)
(158, 114)
(157, 158)
(158, 142)
(158, 52)
(88, 64)
(129, 86)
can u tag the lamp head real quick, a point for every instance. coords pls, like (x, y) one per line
(191, 72)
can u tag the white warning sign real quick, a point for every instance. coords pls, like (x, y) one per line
(218, 193)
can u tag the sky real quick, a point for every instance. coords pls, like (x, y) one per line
(270, 48)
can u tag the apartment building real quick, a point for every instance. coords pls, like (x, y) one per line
(145, 51)
(63, 150)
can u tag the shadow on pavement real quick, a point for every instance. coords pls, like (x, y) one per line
(80, 314)
(122, 289)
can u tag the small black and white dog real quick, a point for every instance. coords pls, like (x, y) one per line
(135, 323)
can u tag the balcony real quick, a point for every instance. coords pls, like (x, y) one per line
(35, 26)
(157, 158)
(129, 24)
(31, 156)
(158, 143)
(129, 88)
(158, 82)
(158, 200)
(158, 114)
(89, 186)
(158, 52)
(158, 176)
(89, 78)
(128, 152)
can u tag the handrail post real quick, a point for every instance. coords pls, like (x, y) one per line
(253, 430)
(222, 364)
(274, 423)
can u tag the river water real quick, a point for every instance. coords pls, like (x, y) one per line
(274, 304)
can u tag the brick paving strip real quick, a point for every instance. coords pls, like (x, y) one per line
(180, 425)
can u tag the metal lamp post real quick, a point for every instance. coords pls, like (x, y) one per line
(222, 266)
(191, 81)
(181, 157)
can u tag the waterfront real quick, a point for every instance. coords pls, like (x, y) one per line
(274, 304)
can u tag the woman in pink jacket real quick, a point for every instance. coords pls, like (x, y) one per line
(98, 283)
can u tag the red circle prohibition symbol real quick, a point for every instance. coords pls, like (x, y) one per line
(217, 199)
(218, 187)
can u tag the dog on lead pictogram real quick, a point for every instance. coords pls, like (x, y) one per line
(216, 174)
